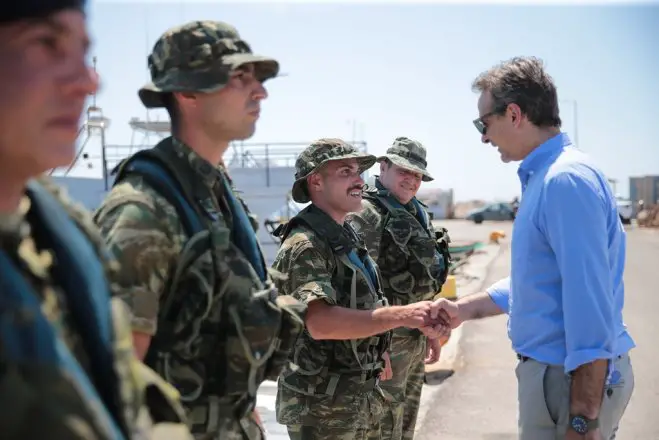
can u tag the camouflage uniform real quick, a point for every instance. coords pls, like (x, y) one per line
(413, 260)
(332, 393)
(68, 369)
(218, 327)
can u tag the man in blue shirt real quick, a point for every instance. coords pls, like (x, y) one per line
(565, 294)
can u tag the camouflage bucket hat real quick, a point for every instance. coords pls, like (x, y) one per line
(199, 57)
(318, 154)
(408, 154)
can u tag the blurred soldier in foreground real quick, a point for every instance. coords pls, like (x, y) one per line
(413, 260)
(334, 392)
(67, 366)
(206, 313)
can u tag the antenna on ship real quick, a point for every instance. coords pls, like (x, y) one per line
(95, 124)
(147, 127)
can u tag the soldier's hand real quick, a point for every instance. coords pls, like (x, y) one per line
(441, 329)
(433, 350)
(416, 315)
(387, 373)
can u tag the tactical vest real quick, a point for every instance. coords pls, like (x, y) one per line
(48, 384)
(221, 331)
(367, 353)
(417, 267)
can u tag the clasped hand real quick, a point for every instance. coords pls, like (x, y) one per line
(434, 318)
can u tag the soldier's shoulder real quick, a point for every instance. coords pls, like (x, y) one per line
(303, 241)
(60, 193)
(371, 208)
(135, 201)
(76, 211)
(81, 216)
(133, 190)
(301, 237)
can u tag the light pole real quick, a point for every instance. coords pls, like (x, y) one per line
(575, 119)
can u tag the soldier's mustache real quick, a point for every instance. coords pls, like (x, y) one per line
(358, 187)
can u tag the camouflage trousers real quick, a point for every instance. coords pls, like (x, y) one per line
(403, 390)
(212, 421)
(338, 417)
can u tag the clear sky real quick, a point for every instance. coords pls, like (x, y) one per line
(406, 70)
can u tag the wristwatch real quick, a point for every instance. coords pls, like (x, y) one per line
(582, 425)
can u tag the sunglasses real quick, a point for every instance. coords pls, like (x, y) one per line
(479, 122)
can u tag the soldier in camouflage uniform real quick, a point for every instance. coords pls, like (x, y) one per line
(413, 259)
(67, 366)
(206, 313)
(333, 392)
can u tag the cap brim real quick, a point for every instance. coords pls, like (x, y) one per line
(408, 165)
(299, 192)
(265, 68)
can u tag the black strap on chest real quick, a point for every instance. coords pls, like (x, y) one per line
(159, 167)
(341, 240)
(317, 222)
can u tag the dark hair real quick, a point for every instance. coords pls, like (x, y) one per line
(522, 81)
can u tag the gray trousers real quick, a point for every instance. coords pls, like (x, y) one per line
(544, 400)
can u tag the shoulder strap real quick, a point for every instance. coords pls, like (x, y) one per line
(82, 277)
(37, 343)
(155, 168)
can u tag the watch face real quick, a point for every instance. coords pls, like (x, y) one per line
(579, 424)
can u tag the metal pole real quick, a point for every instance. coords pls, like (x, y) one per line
(576, 125)
(575, 119)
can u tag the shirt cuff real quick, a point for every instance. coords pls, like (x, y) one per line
(499, 293)
(578, 358)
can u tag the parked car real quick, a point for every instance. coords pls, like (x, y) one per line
(625, 209)
(492, 212)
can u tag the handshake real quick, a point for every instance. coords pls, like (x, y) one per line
(435, 319)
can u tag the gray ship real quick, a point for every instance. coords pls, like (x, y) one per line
(262, 172)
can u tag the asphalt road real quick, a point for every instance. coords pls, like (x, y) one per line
(479, 401)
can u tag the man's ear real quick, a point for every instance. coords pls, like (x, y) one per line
(314, 182)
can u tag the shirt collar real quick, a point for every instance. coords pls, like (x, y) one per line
(541, 156)
(209, 173)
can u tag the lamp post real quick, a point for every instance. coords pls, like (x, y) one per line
(575, 119)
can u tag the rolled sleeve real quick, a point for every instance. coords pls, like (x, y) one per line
(500, 294)
(575, 221)
(144, 252)
(309, 277)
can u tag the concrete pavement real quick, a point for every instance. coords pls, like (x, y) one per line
(480, 400)
(641, 315)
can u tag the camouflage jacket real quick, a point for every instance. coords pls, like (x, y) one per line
(83, 367)
(313, 257)
(219, 330)
(413, 258)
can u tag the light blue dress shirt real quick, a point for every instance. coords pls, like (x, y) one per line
(565, 294)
